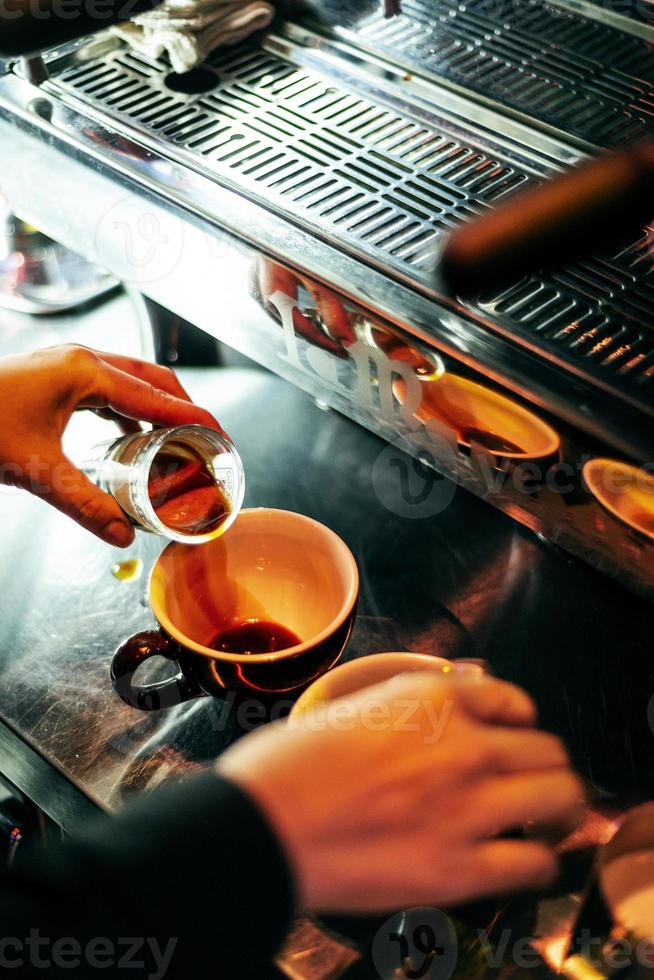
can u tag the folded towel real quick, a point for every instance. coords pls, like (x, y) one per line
(188, 30)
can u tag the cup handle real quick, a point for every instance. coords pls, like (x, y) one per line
(149, 697)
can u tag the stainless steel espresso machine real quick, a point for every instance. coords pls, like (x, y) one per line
(290, 198)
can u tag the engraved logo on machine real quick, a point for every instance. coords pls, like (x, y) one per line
(448, 422)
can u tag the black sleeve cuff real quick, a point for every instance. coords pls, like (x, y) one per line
(197, 862)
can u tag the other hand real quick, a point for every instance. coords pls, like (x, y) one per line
(398, 795)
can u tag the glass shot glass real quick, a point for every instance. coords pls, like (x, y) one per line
(186, 483)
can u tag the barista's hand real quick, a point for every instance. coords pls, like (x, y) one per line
(38, 394)
(399, 798)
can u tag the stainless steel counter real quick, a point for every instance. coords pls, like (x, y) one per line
(463, 582)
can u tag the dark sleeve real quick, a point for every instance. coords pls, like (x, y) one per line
(191, 876)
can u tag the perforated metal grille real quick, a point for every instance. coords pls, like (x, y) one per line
(601, 311)
(370, 176)
(380, 183)
(582, 77)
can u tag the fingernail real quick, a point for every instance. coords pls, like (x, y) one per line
(119, 533)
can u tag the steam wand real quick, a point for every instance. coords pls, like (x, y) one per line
(564, 219)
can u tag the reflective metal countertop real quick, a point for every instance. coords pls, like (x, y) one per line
(463, 582)
(456, 581)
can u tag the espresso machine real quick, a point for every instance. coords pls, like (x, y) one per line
(340, 199)
(292, 198)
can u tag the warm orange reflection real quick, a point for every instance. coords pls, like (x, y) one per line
(625, 491)
(554, 950)
(426, 364)
(326, 323)
(480, 417)
(578, 968)
(483, 418)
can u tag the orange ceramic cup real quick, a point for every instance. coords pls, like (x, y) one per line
(272, 566)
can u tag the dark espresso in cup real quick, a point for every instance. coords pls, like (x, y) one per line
(473, 435)
(255, 636)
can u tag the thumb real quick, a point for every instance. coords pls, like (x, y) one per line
(71, 492)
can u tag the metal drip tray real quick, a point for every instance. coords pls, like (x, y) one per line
(584, 78)
(379, 183)
(368, 177)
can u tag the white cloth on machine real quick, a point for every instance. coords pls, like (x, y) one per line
(189, 30)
